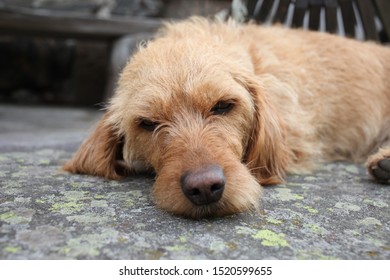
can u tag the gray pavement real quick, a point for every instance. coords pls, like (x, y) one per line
(45, 213)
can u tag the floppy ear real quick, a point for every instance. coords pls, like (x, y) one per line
(100, 153)
(266, 152)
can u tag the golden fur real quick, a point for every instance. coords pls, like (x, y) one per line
(300, 98)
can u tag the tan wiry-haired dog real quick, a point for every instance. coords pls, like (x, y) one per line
(218, 109)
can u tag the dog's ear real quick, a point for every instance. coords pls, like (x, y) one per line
(266, 153)
(100, 153)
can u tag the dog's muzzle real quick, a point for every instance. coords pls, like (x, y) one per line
(203, 186)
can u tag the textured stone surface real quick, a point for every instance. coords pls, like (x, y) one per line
(335, 213)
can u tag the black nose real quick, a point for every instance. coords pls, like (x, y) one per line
(203, 186)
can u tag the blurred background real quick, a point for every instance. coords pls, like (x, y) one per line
(69, 52)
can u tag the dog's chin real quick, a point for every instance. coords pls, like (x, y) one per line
(205, 211)
(214, 210)
(218, 209)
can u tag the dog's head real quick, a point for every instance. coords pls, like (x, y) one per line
(190, 108)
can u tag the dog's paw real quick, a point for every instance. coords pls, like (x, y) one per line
(380, 170)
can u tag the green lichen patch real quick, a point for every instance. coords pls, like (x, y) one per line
(270, 238)
(20, 160)
(274, 221)
(377, 203)
(244, 230)
(44, 161)
(40, 201)
(182, 238)
(370, 221)
(7, 216)
(309, 209)
(176, 248)
(352, 232)
(347, 206)
(314, 255)
(310, 178)
(316, 229)
(11, 249)
(129, 202)
(80, 185)
(285, 194)
(67, 207)
(19, 216)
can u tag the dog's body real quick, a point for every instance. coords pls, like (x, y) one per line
(215, 109)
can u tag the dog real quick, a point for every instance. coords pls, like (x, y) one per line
(219, 109)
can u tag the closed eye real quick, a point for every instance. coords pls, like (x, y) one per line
(222, 107)
(148, 124)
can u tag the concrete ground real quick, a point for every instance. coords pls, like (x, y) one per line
(45, 213)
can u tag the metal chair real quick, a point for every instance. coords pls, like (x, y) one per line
(361, 19)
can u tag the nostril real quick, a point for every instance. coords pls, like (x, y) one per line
(216, 187)
(194, 192)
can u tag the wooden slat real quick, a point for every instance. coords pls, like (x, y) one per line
(348, 15)
(264, 12)
(299, 12)
(281, 11)
(383, 7)
(331, 15)
(60, 24)
(367, 14)
(314, 15)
